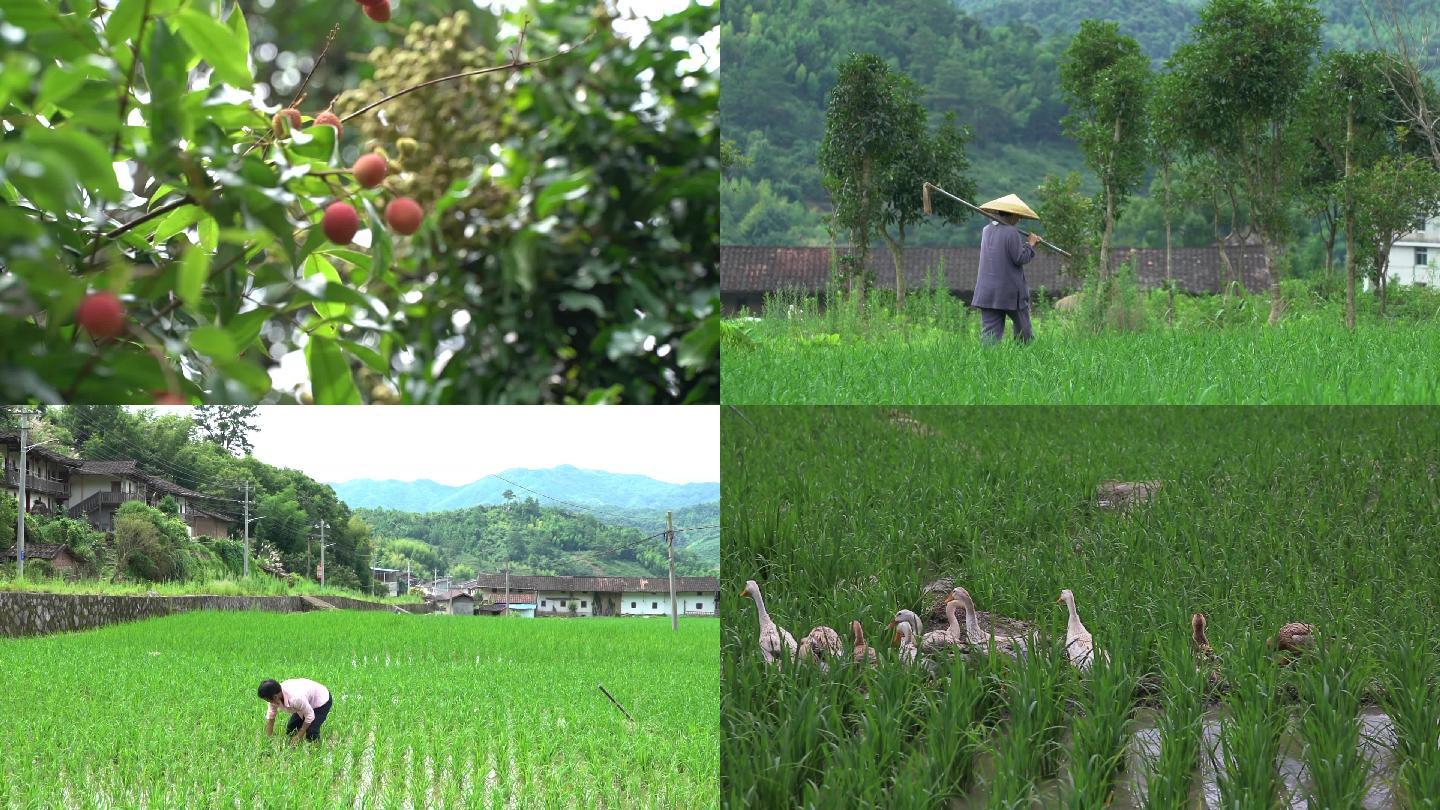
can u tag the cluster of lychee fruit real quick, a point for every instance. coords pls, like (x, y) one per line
(377, 10)
(341, 221)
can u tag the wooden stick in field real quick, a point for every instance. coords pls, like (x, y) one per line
(602, 688)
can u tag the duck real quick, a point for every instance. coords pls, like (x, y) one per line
(949, 636)
(824, 641)
(1079, 644)
(1012, 646)
(905, 637)
(864, 654)
(1293, 637)
(775, 641)
(1206, 659)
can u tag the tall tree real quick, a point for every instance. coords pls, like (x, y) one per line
(1346, 112)
(229, 426)
(1389, 197)
(1241, 74)
(1164, 144)
(871, 114)
(936, 157)
(1106, 79)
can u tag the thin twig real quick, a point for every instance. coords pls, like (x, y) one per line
(299, 92)
(149, 215)
(512, 65)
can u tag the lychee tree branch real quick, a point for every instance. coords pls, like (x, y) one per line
(511, 65)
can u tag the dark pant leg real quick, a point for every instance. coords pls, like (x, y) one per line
(992, 325)
(293, 724)
(320, 714)
(1021, 317)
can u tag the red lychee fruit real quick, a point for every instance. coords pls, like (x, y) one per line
(102, 315)
(378, 11)
(404, 215)
(329, 119)
(278, 122)
(369, 170)
(340, 222)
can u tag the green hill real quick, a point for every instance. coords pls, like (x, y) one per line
(573, 484)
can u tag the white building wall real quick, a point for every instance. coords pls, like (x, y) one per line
(1415, 259)
(559, 603)
(697, 603)
(83, 486)
(634, 603)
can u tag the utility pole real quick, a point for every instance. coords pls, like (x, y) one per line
(247, 529)
(507, 587)
(670, 541)
(322, 555)
(24, 473)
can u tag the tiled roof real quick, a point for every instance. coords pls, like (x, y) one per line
(130, 469)
(747, 269)
(597, 584)
(13, 438)
(37, 551)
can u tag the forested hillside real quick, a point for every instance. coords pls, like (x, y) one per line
(530, 537)
(993, 64)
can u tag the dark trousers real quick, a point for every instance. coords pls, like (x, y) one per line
(312, 733)
(992, 324)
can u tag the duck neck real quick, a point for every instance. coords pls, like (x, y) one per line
(1075, 627)
(972, 624)
(953, 623)
(760, 606)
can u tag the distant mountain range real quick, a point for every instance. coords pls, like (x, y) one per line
(593, 488)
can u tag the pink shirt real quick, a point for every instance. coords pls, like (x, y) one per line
(301, 696)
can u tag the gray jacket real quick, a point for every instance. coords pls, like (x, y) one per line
(1001, 283)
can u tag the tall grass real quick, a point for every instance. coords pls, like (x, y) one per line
(1251, 732)
(1265, 516)
(1331, 685)
(1412, 698)
(1220, 351)
(1180, 726)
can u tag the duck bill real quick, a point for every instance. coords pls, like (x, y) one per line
(746, 595)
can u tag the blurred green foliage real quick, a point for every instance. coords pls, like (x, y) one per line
(589, 276)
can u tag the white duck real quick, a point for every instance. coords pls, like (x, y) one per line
(1079, 645)
(775, 641)
(950, 636)
(1010, 645)
(905, 635)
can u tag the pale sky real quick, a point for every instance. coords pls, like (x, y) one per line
(457, 444)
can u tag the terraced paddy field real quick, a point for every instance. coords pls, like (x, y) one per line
(429, 711)
(1253, 516)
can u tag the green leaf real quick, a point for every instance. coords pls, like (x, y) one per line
(165, 74)
(319, 264)
(315, 143)
(551, 197)
(701, 348)
(124, 22)
(88, 157)
(240, 29)
(213, 341)
(245, 327)
(209, 233)
(177, 221)
(330, 380)
(575, 301)
(368, 356)
(218, 45)
(194, 269)
(58, 84)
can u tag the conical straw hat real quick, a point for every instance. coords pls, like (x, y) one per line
(1010, 204)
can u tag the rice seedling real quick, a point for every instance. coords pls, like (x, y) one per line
(1261, 517)
(1329, 728)
(1306, 361)
(429, 711)
(1412, 698)
(1173, 776)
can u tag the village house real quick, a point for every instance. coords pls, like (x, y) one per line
(601, 596)
(1415, 257)
(94, 490)
(454, 601)
(47, 475)
(56, 555)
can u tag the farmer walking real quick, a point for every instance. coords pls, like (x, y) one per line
(1000, 288)
(307, 701)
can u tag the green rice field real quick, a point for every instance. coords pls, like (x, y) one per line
(1262, 516)
(429, 711)
(1218, 351)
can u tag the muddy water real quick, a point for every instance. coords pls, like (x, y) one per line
(1377, 743)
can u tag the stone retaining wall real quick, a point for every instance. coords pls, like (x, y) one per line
(35, 614)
